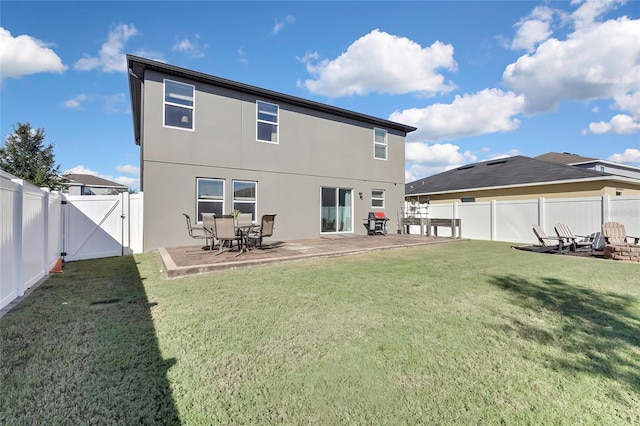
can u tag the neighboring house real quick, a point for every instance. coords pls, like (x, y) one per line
(516, 178)
(83, 184)
(209, 144)
(591, 164)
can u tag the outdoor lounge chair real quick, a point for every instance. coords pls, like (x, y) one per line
(198, 233)
(225, 232)
(573, 241)
(264, 230)
(547, 244)
(619, 245)
(615, 234)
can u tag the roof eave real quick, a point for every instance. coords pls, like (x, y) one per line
(555, 182)
(137, 65)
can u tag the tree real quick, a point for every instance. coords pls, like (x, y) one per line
(24, 155)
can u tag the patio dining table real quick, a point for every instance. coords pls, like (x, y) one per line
(243, 230)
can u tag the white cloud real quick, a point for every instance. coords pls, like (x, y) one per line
(384, 63)
(533, 29)
(189, 47)
(620, 124)
(116, 103)
(25, 55)
(630, 155)
(488, 111)
(590, 10)
(242, 57)
(133, 183)
(510, 153)
(426, 160)
(629, 102)
(75, 102)
(129, 169)
(111, 57)
(279, 25)
(597, 61)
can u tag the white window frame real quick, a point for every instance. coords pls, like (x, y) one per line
(377, 198)
(233, 196)
(385, 144)
(272, 123)
(177, 105)
(203, 200)
(351, 222)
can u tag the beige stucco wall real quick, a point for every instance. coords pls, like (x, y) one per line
(314, 150)
(569, 190)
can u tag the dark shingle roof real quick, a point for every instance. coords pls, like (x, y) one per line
(511, 171)
(564, 158)
(91, 180)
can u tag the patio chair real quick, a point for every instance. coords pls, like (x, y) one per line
(198, 233)
(245, 219)
(547, 244)
(573, 241)
(209, 224)
(264, 230)
(225, 232)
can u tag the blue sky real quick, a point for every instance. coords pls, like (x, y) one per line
(479, 79)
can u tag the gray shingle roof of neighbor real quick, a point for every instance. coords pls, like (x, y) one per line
(564, 158)
(510, 171)
(138, 65)
(91, 180)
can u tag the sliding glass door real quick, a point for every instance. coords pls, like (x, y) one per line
(337, 210)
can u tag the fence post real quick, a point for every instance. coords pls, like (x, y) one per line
(45, 218)
(541, 212)
(492, 213)
(606, 207)
(125, 200)
(17, 232)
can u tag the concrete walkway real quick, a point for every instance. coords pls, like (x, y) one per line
(181, 261)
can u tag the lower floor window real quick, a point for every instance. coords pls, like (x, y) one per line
(244, 197)
(336, 209)
(377, 198)
(210, 196)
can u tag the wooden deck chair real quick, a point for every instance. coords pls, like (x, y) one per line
(547, 244)
(619, 245)
(573, 241)
(264, 230)
(615, 234)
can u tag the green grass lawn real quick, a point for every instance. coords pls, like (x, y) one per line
(462, 333)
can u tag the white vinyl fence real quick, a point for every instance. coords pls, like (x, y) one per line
(38, 227)
(512, 220)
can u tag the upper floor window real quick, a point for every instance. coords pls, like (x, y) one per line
(178, 104)
(210, 197)
(377, 198)
(379, 144)
(267, 122)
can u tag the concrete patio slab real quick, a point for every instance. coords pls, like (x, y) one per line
(182, 261)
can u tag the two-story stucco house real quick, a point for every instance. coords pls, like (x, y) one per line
(209, 144)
